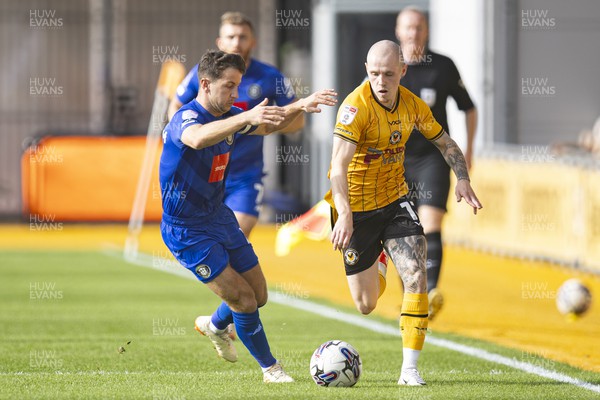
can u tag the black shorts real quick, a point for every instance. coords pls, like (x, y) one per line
(428, 179)
(372, 228)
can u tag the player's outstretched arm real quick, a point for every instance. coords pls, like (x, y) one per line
(201, 136)
(310, 104)
(456, 160)
(295, 124)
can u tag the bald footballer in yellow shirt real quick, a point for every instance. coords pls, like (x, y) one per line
(370, 212)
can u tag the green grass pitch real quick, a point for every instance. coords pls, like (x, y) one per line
(65, 315)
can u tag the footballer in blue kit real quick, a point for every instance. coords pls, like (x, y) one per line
(197, 227)
(193, 186)
(244, 187)
(244, 183)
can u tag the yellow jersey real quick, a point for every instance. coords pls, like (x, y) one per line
(376, 172)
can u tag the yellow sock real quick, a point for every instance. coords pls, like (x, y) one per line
(382, 266)
(413, 320)
(382, 284)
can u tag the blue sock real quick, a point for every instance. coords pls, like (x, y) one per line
(251, 333)
(222, 317)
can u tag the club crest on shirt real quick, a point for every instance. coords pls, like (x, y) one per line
(203, 270)
(254, 91)
(395, 137)
(351, 256)
(348, 114)
(229, 140)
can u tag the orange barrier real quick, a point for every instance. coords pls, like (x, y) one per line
(86, 179)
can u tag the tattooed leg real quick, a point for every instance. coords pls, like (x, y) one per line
(409, 255)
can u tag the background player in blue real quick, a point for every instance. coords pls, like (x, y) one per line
(433, 77)
(244, 188)
(201, 231)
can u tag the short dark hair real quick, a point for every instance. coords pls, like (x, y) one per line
(214, 62)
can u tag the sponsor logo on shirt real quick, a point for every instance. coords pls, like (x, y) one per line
(342, 130)
(219, 165)
(389, 156)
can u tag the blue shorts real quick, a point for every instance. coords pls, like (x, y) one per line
(207, 247)
(245, 196)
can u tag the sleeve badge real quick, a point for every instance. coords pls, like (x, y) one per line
(348, 114)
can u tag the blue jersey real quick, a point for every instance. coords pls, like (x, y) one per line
(193, 181)
(260, 80)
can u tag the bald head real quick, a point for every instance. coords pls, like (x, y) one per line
(385, 67)
(385, 51)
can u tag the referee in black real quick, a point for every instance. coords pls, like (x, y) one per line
(433, 77)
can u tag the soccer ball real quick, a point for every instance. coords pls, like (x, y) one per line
(335, 363)
(573, 298)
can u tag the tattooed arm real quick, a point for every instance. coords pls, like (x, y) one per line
(455, 159)
(409, 255)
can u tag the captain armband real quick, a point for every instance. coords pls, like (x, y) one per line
(246, 129)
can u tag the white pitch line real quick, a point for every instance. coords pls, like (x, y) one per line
(379, 327)
(98, 373)
(78, 373)
(146, 260)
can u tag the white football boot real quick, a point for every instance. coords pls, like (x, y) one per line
(411, 377)
(221, 341)
(276, 374)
